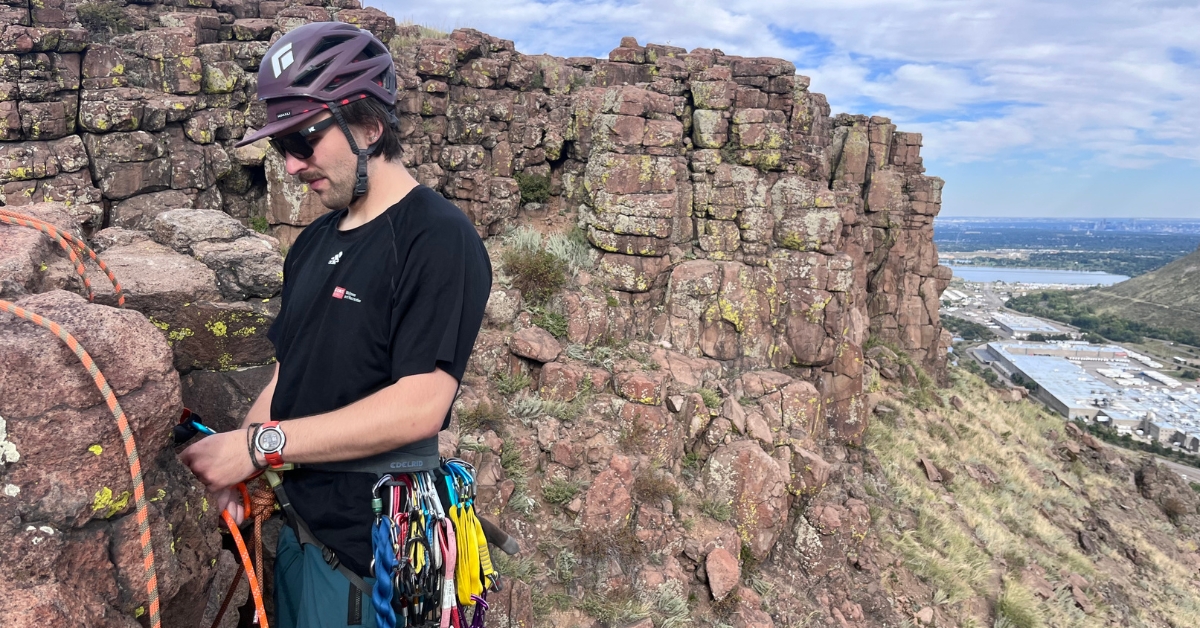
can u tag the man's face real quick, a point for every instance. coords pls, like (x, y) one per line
(330, 170)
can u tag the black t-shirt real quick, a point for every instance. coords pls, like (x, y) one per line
(401, 295)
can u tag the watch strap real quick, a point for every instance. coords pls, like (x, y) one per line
(274, 457)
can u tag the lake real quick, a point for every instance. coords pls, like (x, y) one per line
(1035, 275)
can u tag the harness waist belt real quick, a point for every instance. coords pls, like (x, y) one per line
(419, 456)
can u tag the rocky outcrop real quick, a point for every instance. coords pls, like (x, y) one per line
(71, 553)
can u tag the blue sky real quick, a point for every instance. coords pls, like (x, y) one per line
(1028, 107)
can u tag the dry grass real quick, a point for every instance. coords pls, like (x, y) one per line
(976, 542)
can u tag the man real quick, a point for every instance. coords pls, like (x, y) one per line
(382, 300)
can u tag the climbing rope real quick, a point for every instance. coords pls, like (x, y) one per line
(71, 245)
(141, 508)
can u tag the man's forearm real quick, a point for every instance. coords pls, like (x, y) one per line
(410, 410)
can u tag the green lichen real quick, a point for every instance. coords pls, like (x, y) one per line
(96, 449)
(217, 328)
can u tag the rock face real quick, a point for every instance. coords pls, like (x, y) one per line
(66, 514)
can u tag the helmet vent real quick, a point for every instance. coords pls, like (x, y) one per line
(309, 75)
(340, 80)
(330, 42)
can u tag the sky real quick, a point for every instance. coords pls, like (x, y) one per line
(1028, 108)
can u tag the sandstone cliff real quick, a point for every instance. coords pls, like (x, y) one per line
(707, 355)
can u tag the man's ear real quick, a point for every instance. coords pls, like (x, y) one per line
(375, 133)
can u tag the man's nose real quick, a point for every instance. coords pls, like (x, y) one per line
(293, 164)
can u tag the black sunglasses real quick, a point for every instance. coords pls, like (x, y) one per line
(296, 143)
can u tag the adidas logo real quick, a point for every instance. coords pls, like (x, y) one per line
(336, 258)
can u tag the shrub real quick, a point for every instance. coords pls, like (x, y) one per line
(711, 398)
(558, 491)
(1018, 606)
(552, 322)
(509, 384)
(259, 224)
(721, 511)
(484, 416)
(103, 18)
(573, 248)
(652, 486)
(537, 274)
(535, 188)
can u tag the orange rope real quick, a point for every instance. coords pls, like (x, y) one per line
(142, 512)
(255, 586)
(70, 244)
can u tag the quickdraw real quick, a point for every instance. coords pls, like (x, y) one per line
(430, 558)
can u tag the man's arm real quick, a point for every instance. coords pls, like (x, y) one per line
(260, 411)
(408, 411)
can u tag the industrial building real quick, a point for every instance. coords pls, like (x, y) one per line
(1063, 385)
(1021, 326)
(1137, 400)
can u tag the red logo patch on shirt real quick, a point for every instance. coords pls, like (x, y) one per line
(339, 292)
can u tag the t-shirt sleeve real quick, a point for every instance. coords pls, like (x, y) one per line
(439, 300)
(276, 329)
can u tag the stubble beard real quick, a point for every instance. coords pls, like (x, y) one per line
(339, 189)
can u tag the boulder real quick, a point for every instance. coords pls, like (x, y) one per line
(723, 572)
(247, 267)
(65, 466)
(742, 475)
(181, 229)
(536, 344)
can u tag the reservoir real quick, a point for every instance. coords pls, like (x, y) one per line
(986, 274)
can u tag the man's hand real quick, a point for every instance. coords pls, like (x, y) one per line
(231, 499)
(220, 461)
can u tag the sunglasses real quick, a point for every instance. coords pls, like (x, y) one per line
(296, 143)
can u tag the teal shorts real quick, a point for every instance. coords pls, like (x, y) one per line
(311, 594)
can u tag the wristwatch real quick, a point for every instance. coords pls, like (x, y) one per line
(269, 441)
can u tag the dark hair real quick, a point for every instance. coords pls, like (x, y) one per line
(366, 112)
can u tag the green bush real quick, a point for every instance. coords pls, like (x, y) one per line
(103, 18)
(535, 188)
(559, 491)
(721, 511)
(538, 274)
(482, 417)
(259, 224)
(552, 322)
(712, 399)
(508, 384)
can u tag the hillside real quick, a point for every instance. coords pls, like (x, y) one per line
(1168, 297)
(1032, 523)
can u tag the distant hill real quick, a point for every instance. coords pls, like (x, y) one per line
(1168, 298)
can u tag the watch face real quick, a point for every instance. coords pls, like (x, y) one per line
(270, 440)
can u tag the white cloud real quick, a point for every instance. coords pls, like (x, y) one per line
(982, 80)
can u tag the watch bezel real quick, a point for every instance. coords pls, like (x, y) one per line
(261, 446)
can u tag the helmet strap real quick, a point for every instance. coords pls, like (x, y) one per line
(363, 154)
